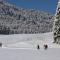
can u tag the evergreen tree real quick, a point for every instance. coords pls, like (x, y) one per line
(57, 25)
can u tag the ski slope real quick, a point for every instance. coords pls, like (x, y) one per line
(29, 54)
(24, 47)
(28, 40)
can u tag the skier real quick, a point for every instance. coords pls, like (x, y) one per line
(45, 46)
(38, 47)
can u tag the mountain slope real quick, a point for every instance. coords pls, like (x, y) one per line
(19, 20)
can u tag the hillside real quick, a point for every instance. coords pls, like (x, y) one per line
(29, 41)
(15, 20)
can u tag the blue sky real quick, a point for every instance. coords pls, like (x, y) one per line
(43, 5)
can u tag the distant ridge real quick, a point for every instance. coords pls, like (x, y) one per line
(15, 20)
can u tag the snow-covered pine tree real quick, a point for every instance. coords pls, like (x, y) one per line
(56, 26)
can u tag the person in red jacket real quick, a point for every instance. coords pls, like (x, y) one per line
(45, 46)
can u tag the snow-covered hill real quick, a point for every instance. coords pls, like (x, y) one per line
(23, 47)
(15, 20)
(28, 40)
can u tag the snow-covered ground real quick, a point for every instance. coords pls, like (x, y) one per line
(28, 40)
(23, 47)
(29, 54)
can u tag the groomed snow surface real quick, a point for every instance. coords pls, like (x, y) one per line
(29, 41)
(30, 54)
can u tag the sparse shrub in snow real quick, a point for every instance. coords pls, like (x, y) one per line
(0, 44)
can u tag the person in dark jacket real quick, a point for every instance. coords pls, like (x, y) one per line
(38, 47)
